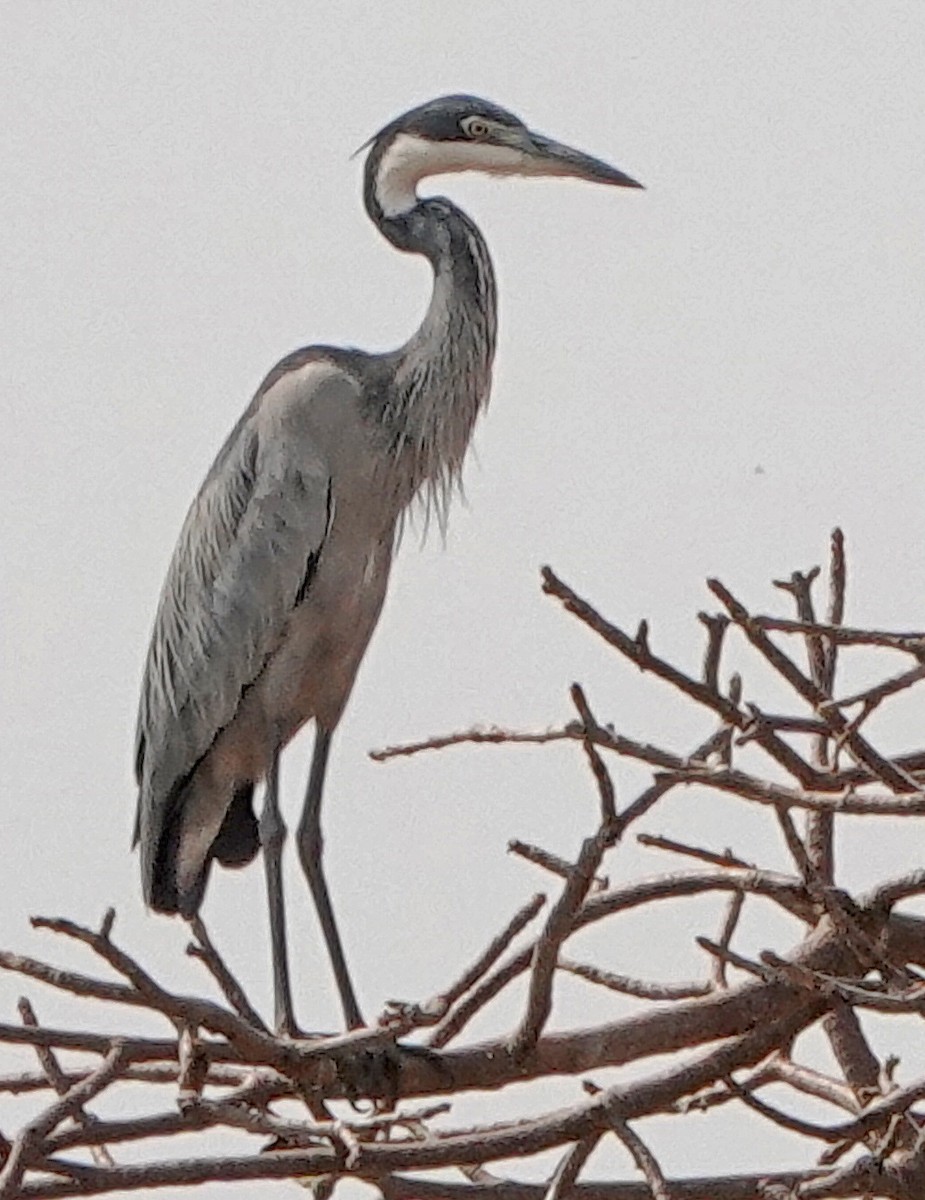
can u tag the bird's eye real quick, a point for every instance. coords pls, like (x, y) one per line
(475, 127)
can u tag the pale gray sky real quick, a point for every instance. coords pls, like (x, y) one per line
(178, 209)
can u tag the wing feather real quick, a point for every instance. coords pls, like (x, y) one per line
(239, 569)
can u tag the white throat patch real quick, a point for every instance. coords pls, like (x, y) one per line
(409, 159)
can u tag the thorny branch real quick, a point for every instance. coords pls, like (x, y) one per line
(720, 1039)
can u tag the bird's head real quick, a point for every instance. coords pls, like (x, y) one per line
(464, 133)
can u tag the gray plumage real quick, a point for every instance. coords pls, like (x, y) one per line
(279, 574)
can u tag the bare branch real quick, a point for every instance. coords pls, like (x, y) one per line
(889, 687)
(231, 989)
(726, 859)
(716, 625)
(640, 988)
(58, 1080)
(558, 927)
(29, 1140)
(644, 1159)
(145, 991)
(562, 1184)
(852, 1051)
(601, 774)
(492, 736)
(541, 858)
(762, 791)
(864, 753)
(914, 643)
(489, 956)
(641, 656)
(731, 920)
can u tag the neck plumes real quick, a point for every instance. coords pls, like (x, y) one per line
(440, 379)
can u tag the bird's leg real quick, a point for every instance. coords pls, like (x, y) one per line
(272, 840)
(310, 844)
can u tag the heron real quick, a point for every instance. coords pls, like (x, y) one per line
(280, 571)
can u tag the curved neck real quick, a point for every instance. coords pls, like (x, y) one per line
(439, 380)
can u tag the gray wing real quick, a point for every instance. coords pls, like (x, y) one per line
(243, 561)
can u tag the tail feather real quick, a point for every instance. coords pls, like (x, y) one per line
(236, 843)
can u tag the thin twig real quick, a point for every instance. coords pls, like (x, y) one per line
(231, 988)
(889, 687)
(492, 736)
(813, 1083)
(726, 859)
(776, 1116)
(798, 852)
(644, 1159)
(639, 653)
(558, 926)
(566, 1173)
(601, 774)
(726, 955)
(880, 767)
(779, 722)
(489, 956)
(821, 656)
(838, 582)
(147, 992)
(749, 787)
(914, 643)
(730, 921)
(642, 989)
(800, 586)
(29, 1140)
(540, 858)
(490, 986)
(58, 1079)
(716, 625)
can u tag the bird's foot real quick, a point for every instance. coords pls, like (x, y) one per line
(374, 1073)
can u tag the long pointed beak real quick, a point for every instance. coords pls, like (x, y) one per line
(547, 157)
